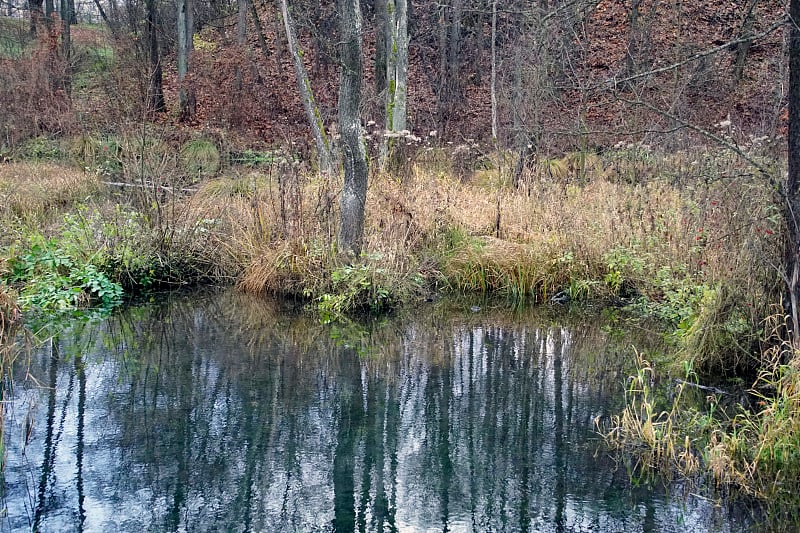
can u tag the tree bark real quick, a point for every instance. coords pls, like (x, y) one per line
(186, 101)
(381, 37)
(67, 14)
(793, 176)
(743, 48)
(324, 157)
(241, 23)
(112, 25)
(155, 96)
(396, 78)
(241, 40)
(397, 66)
(354, 191)
(262, 39)
(36, 15)
(449, 89)
(494, 71)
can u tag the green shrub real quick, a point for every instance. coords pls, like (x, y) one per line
(51, 280)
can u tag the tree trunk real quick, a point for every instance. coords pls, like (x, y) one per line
(494, 71)
(354, 191)
(112, 25)
(155, 96)
(241, 23)
(262, 39)
(743, 48)
(396, 77)
(382, 25)
(324, 157)
(397, 66)
(793, 176)
(449, 61)
(67, 13)
(186, 100)
(241, 40)
(36, 15)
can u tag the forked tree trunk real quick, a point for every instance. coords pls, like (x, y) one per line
(324, 157)
(354, 191)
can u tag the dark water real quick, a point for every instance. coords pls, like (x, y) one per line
(221, 413)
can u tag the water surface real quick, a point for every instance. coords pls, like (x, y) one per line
(221, 412)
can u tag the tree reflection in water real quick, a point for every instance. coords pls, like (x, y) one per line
(220, 412)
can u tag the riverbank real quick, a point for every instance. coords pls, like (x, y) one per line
(689, 239)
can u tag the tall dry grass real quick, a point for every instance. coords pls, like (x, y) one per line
(484, 235)
(35, 192)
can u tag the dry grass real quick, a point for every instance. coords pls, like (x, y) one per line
(482, 235)
(36, 191)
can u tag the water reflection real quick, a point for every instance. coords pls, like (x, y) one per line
(220, 413)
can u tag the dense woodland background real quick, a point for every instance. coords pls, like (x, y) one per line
(570, 75)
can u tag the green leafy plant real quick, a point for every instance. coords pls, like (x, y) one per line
(51, 280)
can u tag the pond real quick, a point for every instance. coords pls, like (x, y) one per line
(223, 412)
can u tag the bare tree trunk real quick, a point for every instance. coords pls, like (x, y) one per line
(186, 101)
(634, 37)
(49, 9)
(241, 23)
(324, 157)
(381, 37)
(241, 39)
(67, 14)
(155, 96)
(280, 44)
(36, 15)
(262, 39)
(396, 76)
(354, 191)
(494, 71)
(743, 48)
(397, 66)
(793, 176)
(449, 60)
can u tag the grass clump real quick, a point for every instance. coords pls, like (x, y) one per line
(657, 433)
(200, 159)
(35, 193)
